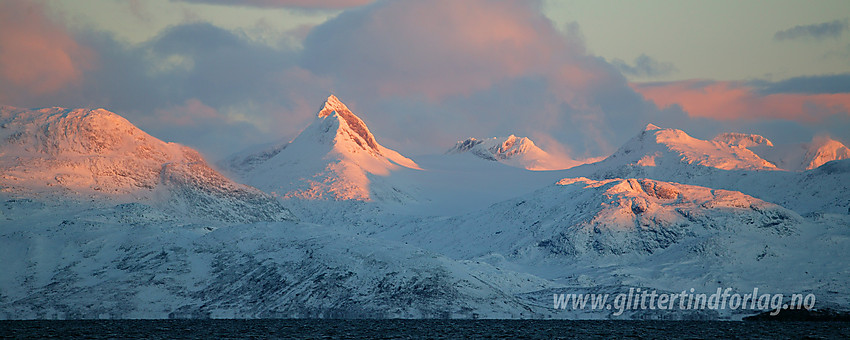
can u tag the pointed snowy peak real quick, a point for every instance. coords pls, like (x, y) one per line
(651, 127)
(336, 158)
(744, 140)
(335, 117)
(332, 105)
(347, 135)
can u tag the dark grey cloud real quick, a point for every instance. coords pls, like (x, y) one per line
(832, 29)
(645, 67)
(835, 83)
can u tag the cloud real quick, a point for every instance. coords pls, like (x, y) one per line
(197, 78)
(832, 29)
(645, 67)
(257, 92)
(422, 75)
(734, 100)
(302, 4)
(835, 83)
(188, 113)
(199, 125)
(37, 55)
(401, 48)
(486, 68)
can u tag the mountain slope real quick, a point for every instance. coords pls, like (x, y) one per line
(78, 262)
(583, 217)
(618, 233)
(674, 151)
(742, 139)
(515, 151)
(673, 156)
(109, 222)
(822, 150)
(83, 154)
(335, 158)
(105, 221)
(805, 156)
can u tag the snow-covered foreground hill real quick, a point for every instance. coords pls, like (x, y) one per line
(620, 233)
(65, 260)
(99, 219)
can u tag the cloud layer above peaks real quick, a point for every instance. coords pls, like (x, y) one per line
(421, 74)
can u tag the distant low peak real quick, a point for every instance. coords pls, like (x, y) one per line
(742, 139)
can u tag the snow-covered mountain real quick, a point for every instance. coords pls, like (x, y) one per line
(78, 262)
(587, 233)
(335, 157)
(806, 156)
(672, 151)
(583, 217)
(104, 220)
(822, 150)
(742, 139)
(83, 154)
(515, 151)
(724, 163)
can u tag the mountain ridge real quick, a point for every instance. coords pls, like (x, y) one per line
(653, 145)
(92, 204)
(86, 154)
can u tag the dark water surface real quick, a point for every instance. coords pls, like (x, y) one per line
(403, 329)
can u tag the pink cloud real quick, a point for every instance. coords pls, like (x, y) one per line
(314, 4)
(434, 48)
(191, 112)
(37, 55)
(730, 100)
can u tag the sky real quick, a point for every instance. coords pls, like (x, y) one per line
(578, 77)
